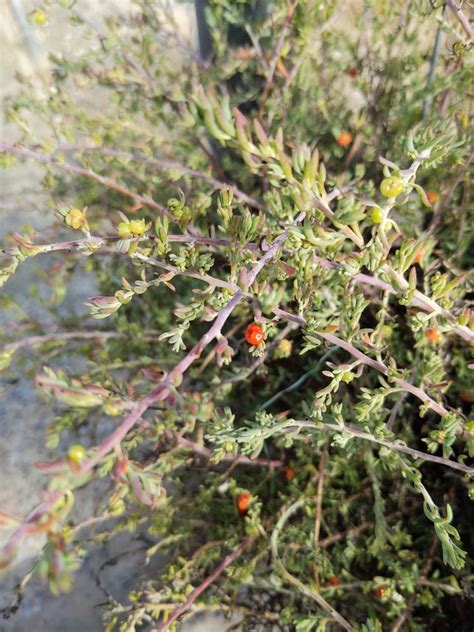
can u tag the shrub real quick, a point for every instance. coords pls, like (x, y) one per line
(281, 237)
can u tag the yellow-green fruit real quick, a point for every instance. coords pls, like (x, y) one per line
(391, 187)
(113, 407)
(75, 218)
(39, 17)
(137, 227)
(123, 229)
(76, 453)
(347, 377)
(5, 359)
(284, 348)
(376, 215)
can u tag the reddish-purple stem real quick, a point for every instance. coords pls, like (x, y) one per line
(365, 359)
(184, 607)
(25, 152)
(162, 390)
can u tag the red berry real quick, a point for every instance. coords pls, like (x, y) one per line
(418, 256)
(433, 334)
(243, 502)
(381, 591)
(254, 334)
(432, 196)
(333, 581)
(289, 473)
(344, 139)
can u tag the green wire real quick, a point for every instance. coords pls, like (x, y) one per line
(301, 380)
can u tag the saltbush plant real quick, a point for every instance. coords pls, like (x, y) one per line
(281, 362)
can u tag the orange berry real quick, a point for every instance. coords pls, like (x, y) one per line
(254, 334)
(381, 591)
(243, 502)
(333, 581)
(432, 197)
(344, 139)
(289, 473)
(433, 334)
(418, 256)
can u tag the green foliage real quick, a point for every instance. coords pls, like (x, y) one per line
(218, 195)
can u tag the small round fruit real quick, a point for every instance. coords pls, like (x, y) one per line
(254, 334)
(76, 453)
(39, 17)
(333, 581)
(418, 256)
(284, 348)
(470, 427)
(382, 591)
(391, 187)
(289, 473)
(123, 229)
(433, 334)
(432, 197)
(243, 502)
(376, 215)
(344, 139)
(5, 359)
(137, 227)
(75, 218)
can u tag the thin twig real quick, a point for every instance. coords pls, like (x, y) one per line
(303, 587)
(433, 63)
(426, 568)
(462, 19)
(96, 243)
(319, 497)
(25, 152)
(277, 53)
(365, 359)
(396, 407)
(213, 281)
(165, 164)
(353, 532)
(392, 445)
(61, 335)
(226, 562)
(240, 459)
